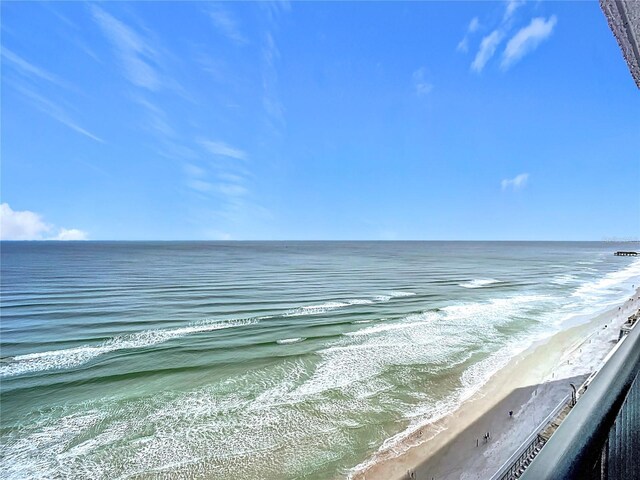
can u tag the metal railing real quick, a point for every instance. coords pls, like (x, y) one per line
(510, 468)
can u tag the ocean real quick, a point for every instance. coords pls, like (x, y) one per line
(266, 360)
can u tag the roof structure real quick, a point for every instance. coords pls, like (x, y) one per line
(624, 20)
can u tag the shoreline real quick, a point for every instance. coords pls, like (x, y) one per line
(531, 384)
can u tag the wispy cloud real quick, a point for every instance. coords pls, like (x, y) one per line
(231, 189)
(227, 172)
(135, 52)
(421, 85)
(223, 149)
(194, 170)
(270, 99)
(512, 6)
(226, 180)
(175, 151)
(273, 107)
(474, 25)
(516, 183)
(34, 73)
(199, 185)
(231, 177)
(226, 24)
(28, 225)
(524, 41)
(157, 119)
(55, 111)
(487, 49)
(275, 8)
(30, 70)
(527, 39)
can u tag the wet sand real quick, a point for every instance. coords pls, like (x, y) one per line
(532, 384)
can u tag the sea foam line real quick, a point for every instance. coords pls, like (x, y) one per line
(74, 357)
(335, 305)
(596, 289)
(286, 341)
(479, 283)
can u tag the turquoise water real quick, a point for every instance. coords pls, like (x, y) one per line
(265, 360)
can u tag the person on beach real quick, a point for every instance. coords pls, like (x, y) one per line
(488, 436)
(510, 413)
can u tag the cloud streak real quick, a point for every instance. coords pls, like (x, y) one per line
(136, 54)
(30, 70)
(227, 181)
(516, 183)
(56, 112)
(27, 225)
(34, 73)
(474, 25)
(222, 149)
(157, 119)
(527, 40)
(227, 25)
(270, 99)
(487, 49)
(512, 6)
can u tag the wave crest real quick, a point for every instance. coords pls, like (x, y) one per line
(479, 283)
(74, 357)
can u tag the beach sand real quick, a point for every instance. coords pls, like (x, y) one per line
(531, 385)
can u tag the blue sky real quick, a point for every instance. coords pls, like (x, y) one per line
(479, 120)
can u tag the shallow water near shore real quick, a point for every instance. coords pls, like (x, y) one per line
(265, 359)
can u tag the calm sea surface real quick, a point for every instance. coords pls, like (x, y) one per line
(265, 360)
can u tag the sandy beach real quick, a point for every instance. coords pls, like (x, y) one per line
(531, 385)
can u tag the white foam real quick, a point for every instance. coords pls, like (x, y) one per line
(430, 338)
(215, 431)
(479, 283)
(401, 294)
(394, 294)
(328, 306)
(564, 279)
(612, 285)
(359, 301)
(595, 296)
(286, 341)
(390, 326)
(494, 310)
(382, 298)
(74, 357)
(315, 309)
